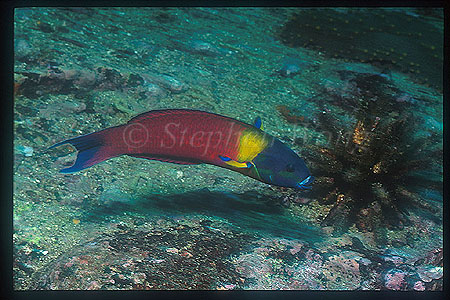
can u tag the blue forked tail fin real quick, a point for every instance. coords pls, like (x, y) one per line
(91, 150)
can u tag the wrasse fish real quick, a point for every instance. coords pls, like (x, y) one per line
(192, 137)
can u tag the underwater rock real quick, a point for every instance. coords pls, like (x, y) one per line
(114, 195)
(204, 48)
(198, 46)
(27, 268)
(82, 78)
(64, 81)
(134, 80)
(252, 266)
(123, 53)
(79, 78)
(72, 41)
(382, 37)
(395, 280)
(278, 263)
(168, 82)
(45, 27)
(169, 256)
(144, 50)
(287, 114)
(435, 257)
(64, 108)
(109, 79)
(65, 160)
(427, 273)
(291, 67)
(419, 286)
(24, 150)
(23, 14)
(405, 97)
(289, 70)
(396, 260)
(153, 90)
(72, 107)
(343, 271)
(433, 124)
(22, 49)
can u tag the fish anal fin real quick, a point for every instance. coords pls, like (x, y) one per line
(234, 163)
(237, 164)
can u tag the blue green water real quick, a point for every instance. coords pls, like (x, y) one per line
(80, 70)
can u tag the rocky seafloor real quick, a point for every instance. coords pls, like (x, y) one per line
(366, 116)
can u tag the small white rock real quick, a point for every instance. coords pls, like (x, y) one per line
(428, 273)
(25, 150)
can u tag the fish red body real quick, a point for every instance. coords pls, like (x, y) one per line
(180, 136)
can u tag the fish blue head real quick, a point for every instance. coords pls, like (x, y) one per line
(279, 165)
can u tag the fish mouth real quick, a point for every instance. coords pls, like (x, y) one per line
(305, 184)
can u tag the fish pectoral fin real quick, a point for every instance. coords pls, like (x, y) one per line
(234, 163)
(258, 123)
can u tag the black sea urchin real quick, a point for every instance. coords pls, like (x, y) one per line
(374, 173)
(375, 169)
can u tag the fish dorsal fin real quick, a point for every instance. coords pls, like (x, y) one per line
(258, 123)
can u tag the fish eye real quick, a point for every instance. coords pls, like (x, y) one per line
(290, 168)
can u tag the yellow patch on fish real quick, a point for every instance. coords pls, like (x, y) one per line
(76, 221)
(251, 143)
